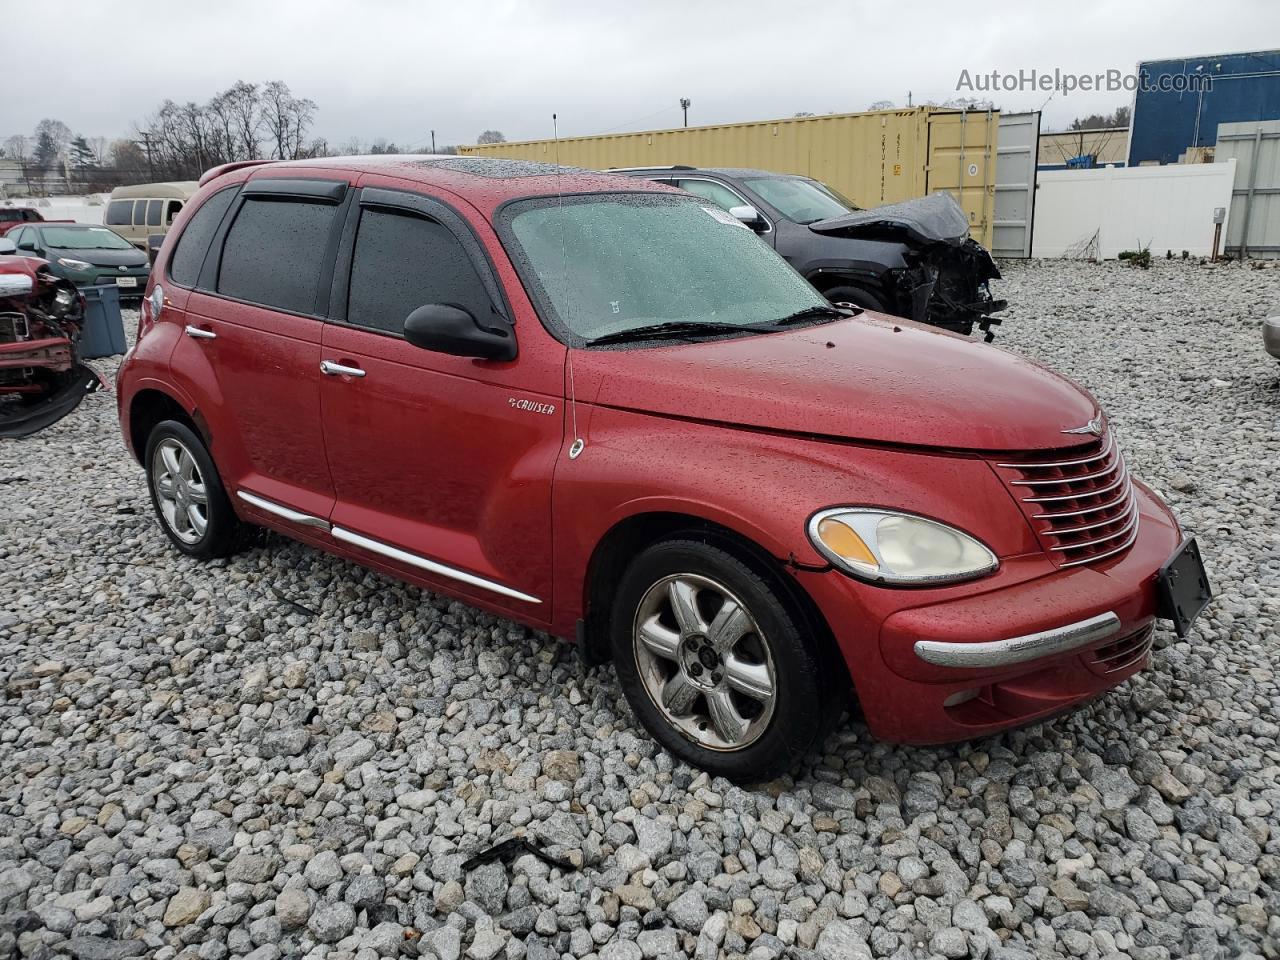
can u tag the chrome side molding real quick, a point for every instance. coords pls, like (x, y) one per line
(293, 516)
(1002, 653)
(431, 566)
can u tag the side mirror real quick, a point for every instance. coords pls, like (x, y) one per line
(446, 328)
(749, 217)
(6, 246)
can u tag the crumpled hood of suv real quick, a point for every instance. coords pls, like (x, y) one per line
(924, 220)
(870, 378)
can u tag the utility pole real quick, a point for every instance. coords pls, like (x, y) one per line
(146, 143)
(684, 105)
(433, 141)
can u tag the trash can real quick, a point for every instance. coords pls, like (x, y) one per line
(103, 334)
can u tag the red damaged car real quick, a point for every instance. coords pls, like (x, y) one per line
(601, 407)
(41, 319)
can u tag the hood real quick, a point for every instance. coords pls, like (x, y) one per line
(927, 220)
(132, 257)
(870, 378)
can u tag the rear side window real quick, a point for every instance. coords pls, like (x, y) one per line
(153, 212)
(402, 262)
(193, 244)
(275, 251)
(120, 213)
(139, 212)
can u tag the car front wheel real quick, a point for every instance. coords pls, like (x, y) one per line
(714, 663)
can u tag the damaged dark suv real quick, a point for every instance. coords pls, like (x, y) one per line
(913, 259)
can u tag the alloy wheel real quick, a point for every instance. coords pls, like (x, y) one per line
(704, 662)
(180, 491)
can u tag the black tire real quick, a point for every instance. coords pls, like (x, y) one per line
(784, 731)
(223, 533)
(859, 297)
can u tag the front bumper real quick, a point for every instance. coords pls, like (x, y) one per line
(111, 278)
(934, 666)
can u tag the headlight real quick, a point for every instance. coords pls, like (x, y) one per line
(898, 548)
(74, 264)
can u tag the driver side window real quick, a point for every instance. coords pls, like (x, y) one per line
(403, 261)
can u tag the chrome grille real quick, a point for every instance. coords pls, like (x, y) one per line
(13, 327)
(1080, 501)
(1125, 652)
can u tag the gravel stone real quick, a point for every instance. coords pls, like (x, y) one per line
(689, 911)
(293, 907)
(176, 734)
(841, 941)
(331, 921)
(185, 906)
(322, 870)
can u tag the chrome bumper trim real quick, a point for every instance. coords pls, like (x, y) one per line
(305, 519)
(1002, 653)
(432, 566)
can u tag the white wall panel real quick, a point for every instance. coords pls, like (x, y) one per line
(1103, 211)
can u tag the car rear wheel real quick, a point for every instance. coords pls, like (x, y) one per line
(188, 495)
(715, 663)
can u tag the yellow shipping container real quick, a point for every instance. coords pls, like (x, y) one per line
(878, 157)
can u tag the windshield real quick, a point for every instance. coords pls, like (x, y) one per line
(607, 263)
(84, 238)
(804, 201)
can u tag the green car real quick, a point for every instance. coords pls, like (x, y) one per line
(86, 255)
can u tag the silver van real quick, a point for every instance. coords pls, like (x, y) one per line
(147, 209)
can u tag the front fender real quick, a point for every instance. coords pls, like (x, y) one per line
(763, 486)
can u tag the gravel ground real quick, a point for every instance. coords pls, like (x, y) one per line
(196, 767)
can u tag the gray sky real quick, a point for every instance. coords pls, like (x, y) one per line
(398, 68)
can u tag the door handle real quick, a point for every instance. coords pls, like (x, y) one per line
(200, 334)
(338, 370)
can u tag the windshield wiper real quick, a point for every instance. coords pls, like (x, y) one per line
(812, 313)
(674, 329)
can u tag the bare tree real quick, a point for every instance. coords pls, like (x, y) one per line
(19, 148)
(286, 119)
(491, 136)
(181, 141)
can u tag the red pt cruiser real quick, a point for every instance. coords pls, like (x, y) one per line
(601, 407)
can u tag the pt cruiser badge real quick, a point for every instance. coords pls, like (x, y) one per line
(531, 406)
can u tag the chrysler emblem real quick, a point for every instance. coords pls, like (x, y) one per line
(1094, 426)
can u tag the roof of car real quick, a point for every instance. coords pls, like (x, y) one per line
(735, 172)
(485, 181)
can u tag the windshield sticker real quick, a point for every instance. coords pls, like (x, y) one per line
(724, 217)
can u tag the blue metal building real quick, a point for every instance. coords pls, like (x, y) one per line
(1173, 108)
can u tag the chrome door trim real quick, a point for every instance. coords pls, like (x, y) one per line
(200, 334)
(332, 369)
(1002, 653)
(432, 566)
(294, 516)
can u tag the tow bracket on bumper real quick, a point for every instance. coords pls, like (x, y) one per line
(1002, 653)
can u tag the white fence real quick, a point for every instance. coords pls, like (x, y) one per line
(1100, 212)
